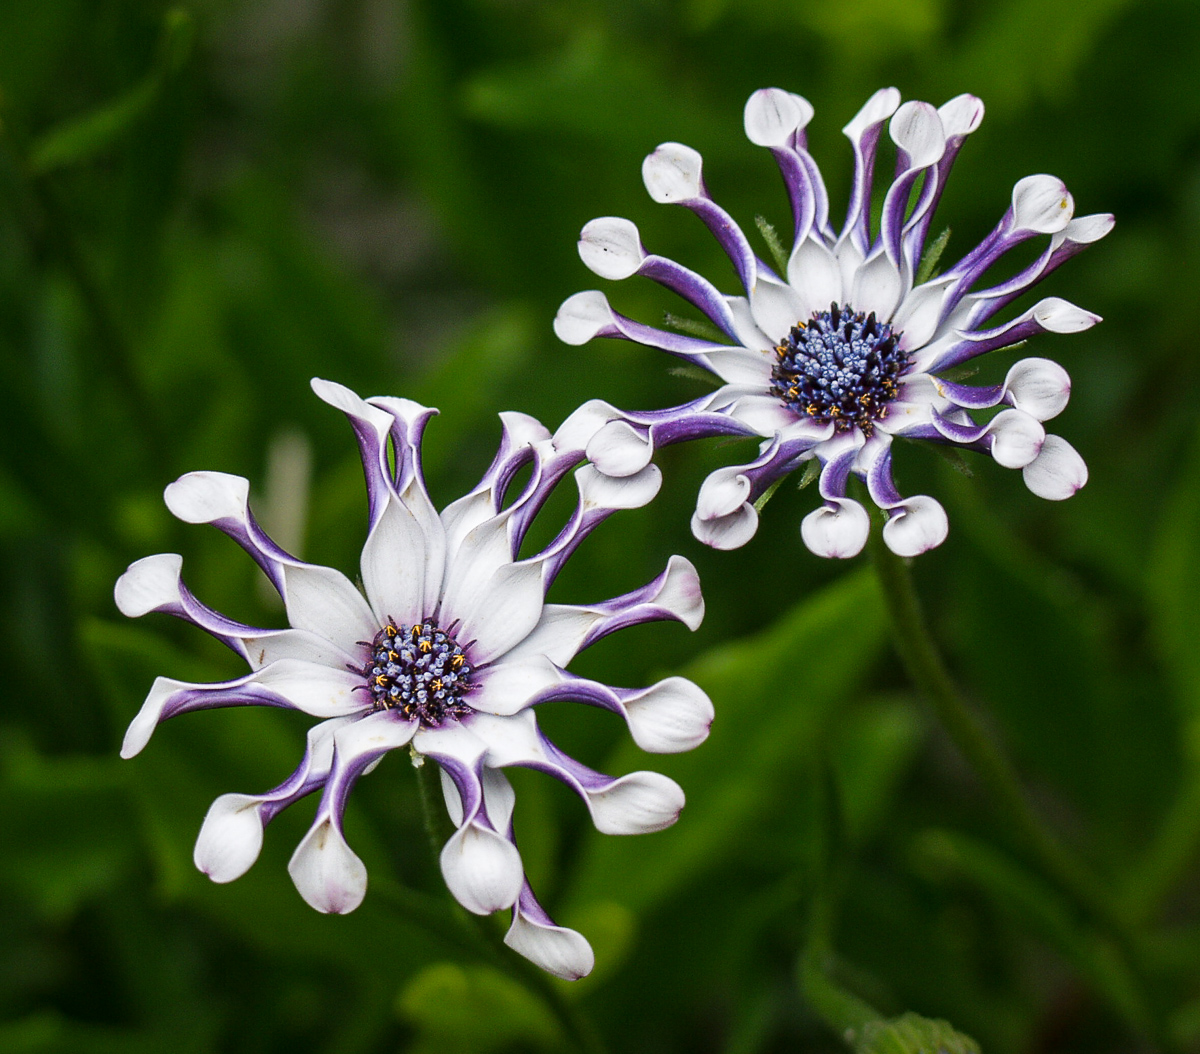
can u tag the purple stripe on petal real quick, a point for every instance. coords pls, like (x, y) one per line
(958, 432)
(969, 397)
(694, 288)
(730, 236)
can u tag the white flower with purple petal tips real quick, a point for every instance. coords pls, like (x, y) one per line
(845, 350)
(448, 653)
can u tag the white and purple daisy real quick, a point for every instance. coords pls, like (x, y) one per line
(846, 349)
(448, 652)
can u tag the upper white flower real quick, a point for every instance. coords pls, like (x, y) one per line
(792, 370)
(456, 619)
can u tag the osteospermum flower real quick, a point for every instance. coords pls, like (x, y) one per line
(845, 350)
(448, 652)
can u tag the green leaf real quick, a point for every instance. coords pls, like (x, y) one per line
(694, 327)
(771, 705)
(771, 237)
(84, 137)
(473, 1010)
(767, 495)
(931, 256)
(913, 1034)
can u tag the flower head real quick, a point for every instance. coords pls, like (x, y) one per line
(448, 652)
(848, 344)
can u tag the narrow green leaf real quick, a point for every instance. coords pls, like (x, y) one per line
(913, 1034)
(767, 495)
(931, 256)
(81, 138)
(770, 707)
(771, 237)
(811, 471)
(694, 327)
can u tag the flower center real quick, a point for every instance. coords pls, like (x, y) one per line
(419, 670)
(840, 366)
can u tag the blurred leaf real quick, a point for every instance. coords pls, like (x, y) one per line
(473, 1010)
(772, 693)
(913, 1034)
(83, 137)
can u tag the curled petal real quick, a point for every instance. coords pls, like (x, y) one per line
(1015, 438)
(837, 529)
(482, 869)
(915, 526)
(669, 717)
(554, 948)
(611, 247)
(673, 173)
(597, 490)
(723, 492)
(1039, 387)
(1041, 204)
(1057, 472)
(639, 803)
(619, 449)
(326, 871)
(230, 838)
(731, 531)
(772, 117)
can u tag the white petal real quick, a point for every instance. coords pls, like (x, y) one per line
(961, 115)
(918, 315)
(454, 804)
(611, 247)
(1057, 472)
(723, 492)
(879, 107)
(917, 129)
(342, 398)
(393, 566)
(596, 490)
(738, 366)
(503, 611)
(618, 449)
(672, 173)
(745, 329)
(505, 688)
(1039, 387)
(556, 949)
(815, 276)
(582, 316)
(727, 532)
(1083, 230)
(669, 717)
(836, 530)
(325, 602)
(327, 873)
(878, 287)
(765, 414)
(230, 838)
(680, 593)
(482, 869)
(918, 525)
(204, 497)
(636, 804)
(772, 116)
(1042, 204)
(776, 308)
(149, 584)
(1056, 315)
(1016, 438)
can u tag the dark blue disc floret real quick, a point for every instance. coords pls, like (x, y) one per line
(419, 670)
(840, 366)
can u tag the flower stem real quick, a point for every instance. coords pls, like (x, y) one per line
(486, 941)
(928, 672)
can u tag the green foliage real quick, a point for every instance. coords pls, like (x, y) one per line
(203, 205)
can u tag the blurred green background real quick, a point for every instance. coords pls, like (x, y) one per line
(203, 206)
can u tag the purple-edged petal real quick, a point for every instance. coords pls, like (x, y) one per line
(325, 870)
(231, 836)
(288, 683)
(554, 948)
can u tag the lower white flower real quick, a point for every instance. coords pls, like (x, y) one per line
(447, 654)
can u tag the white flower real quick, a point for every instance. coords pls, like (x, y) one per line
(447, 653)
(844, 350)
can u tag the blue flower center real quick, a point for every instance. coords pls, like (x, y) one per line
(840, 366)
(418, 670)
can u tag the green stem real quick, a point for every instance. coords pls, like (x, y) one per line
(485, 940)
(928, 672)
